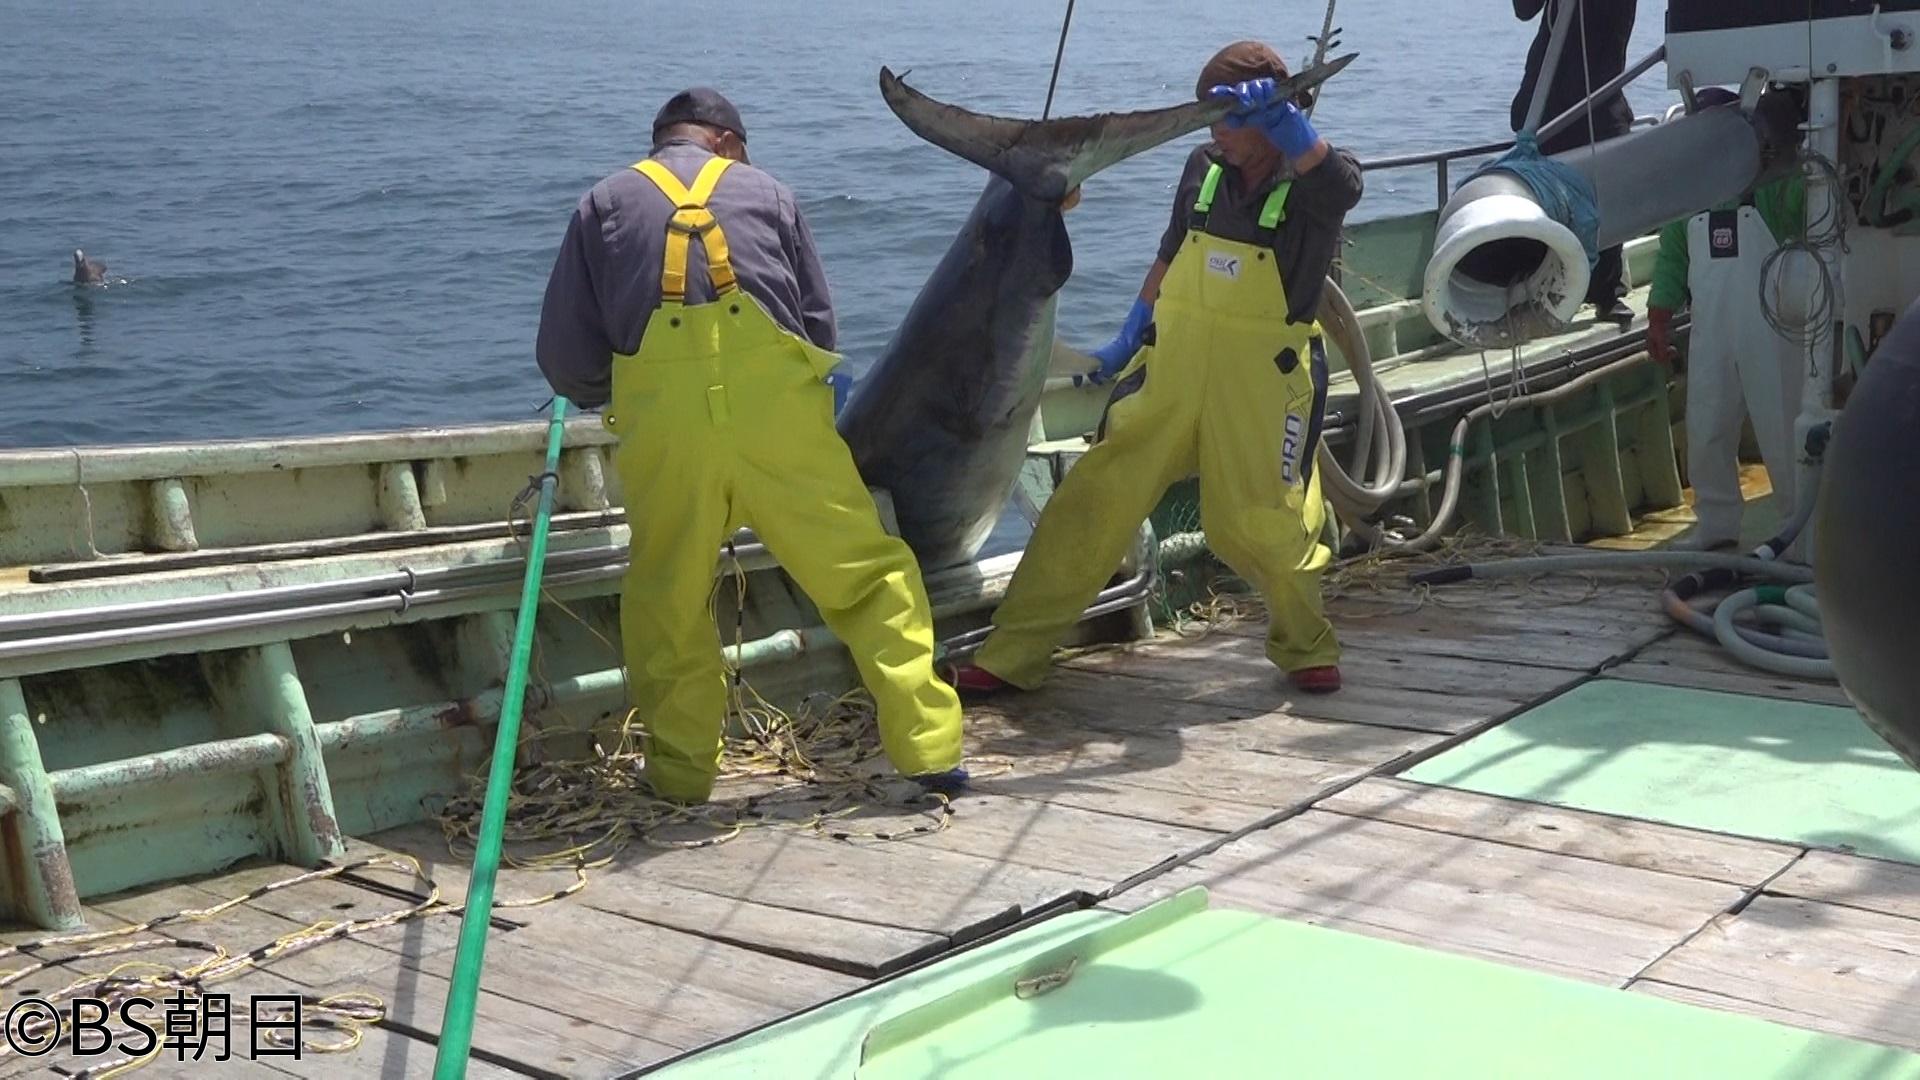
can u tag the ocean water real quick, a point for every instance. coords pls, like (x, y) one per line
(340, 217)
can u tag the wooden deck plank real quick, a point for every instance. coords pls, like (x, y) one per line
(1098, 850)
(1822, 966)
(664, 986)
(532, 1038)
(1084, 700)
(246, 927)
(381, 1053)
(1621, 841)
(1575, 638)
(1443, 696)
(1578, 917)
(926, 892)
(1689, 660)
(638, 892)
(1855, 881)
(1214, 788)
(914, 888)
(338, 900)
(863, 948)
(425, 843)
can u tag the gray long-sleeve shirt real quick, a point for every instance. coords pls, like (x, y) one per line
(606, 280)
(1304, 244)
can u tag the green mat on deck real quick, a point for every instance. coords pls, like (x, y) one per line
(1776, 770)
(1182, 991)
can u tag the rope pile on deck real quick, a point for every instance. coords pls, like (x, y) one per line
(810, 770)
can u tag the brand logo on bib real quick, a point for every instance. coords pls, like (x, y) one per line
(1723, 234)
(1290, 447)
(1227, 266)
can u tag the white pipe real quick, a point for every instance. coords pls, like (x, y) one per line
(1504, 272)
(1823, 205)
(1488, 308)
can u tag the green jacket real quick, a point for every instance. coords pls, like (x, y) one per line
(1782, 205)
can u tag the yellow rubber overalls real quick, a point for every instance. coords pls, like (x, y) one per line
(1225, 385)
(725, 421)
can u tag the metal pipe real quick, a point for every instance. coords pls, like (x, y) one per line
(90, 783)
(397, 583)
(1556, 48)
(418, 720)
(575, 689)
(299, 550)
(778, 646)
(1566, 119)
(1107, 601)
(42, 876)
(115, 464)
(456, 1029)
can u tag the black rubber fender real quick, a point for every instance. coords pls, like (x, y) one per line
(1867, 541)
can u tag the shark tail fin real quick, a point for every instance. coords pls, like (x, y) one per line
(1046, 159)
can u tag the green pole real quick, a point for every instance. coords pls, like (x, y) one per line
(456, 1032)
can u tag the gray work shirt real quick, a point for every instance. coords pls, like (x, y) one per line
(1304, 244)
(606, 279)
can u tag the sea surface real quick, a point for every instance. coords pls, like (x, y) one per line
(340, 217)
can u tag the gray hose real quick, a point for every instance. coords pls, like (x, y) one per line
(1380, 451)
(1702, 623)
(1767, 660)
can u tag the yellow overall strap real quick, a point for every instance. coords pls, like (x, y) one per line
(691, 218)
(1272, 213)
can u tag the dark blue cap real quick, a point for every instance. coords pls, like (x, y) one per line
(700, 105)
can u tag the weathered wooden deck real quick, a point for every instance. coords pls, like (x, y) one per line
(1136, 772)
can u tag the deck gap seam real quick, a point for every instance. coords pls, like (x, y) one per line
(842, 967)
(1740, 904)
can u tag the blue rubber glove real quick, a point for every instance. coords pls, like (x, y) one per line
(1278, 118)
(1114, 354)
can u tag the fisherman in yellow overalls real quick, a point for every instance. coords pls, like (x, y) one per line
(1220, 368)
(687, 297)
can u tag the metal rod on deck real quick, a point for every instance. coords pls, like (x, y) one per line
(89, 783)
(456, 1033)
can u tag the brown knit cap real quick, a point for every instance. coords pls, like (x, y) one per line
(1240, 62)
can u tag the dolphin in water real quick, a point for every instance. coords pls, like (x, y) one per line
(88, 271)
(942, 419)
(1867, 520)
